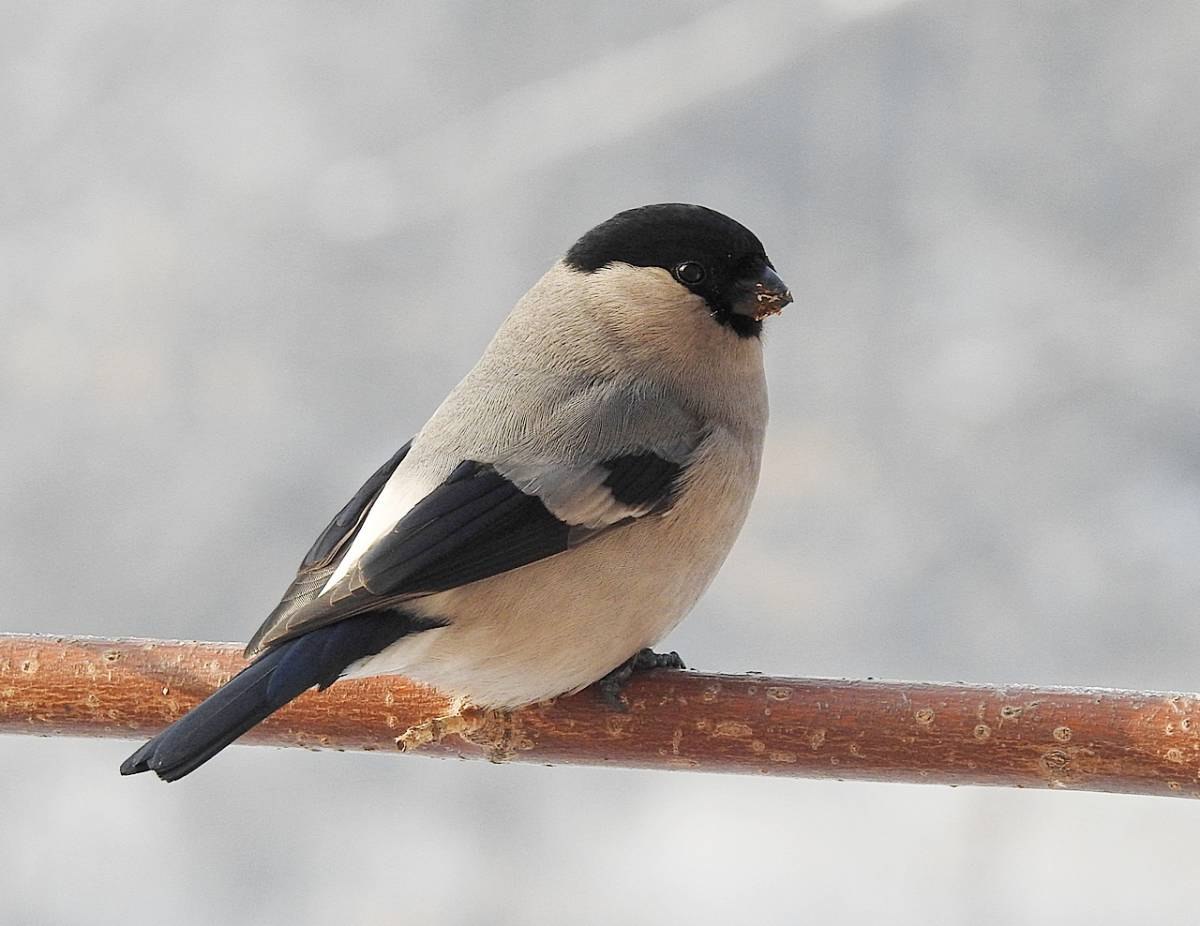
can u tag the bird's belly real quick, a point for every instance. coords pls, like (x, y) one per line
(562, 623)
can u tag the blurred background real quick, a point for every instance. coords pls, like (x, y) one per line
(246, 249)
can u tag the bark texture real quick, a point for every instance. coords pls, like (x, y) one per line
(1017, 736)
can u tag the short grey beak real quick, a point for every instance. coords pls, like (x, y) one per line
(762, 296)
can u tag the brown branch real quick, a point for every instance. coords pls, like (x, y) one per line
(1086, 739)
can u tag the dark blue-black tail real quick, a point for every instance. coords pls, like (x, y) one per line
(275, 678)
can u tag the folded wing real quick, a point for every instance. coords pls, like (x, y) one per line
(482, 520)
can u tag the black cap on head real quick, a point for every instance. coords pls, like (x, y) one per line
(705, 251)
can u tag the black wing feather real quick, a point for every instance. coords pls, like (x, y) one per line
(475, 525)
(642, 480)
(321, 559)
(344, 526)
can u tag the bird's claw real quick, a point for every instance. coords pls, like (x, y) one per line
(612, 684)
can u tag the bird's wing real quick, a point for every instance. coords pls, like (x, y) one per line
(485, 518)
(331, 544)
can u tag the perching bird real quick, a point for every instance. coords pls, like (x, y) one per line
(561, 511)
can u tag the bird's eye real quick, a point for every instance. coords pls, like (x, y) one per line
(689, 273)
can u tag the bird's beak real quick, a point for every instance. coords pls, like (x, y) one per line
(762, 295)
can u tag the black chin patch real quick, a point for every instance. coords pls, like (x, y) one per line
(742, 325)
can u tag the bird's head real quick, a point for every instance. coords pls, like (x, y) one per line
(689, 251)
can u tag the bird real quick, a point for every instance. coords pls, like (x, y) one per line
(561, 510)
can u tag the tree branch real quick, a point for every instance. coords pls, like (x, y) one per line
(1085, 739)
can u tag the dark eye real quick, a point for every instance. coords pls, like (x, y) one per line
(690, 273)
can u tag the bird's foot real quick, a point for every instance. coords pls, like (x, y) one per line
(612, 684)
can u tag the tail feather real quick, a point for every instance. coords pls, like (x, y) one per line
(280, 675)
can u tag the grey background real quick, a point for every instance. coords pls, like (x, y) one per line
(245, 249)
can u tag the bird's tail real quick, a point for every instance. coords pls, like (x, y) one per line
(278, 676)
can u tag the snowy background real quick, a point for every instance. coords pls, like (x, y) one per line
(246, 248)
